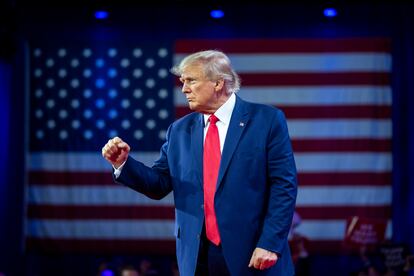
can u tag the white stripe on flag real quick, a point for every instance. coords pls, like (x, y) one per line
(160, 229)
(299, 62)
(82, 162)
(92, 195)
(329, 229)
(340, 128)
(343, 162)
(306, 162)
(343, 196)
(101, 229)
(109, 195)
(309, 95)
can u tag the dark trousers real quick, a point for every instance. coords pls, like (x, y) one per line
(210, 259)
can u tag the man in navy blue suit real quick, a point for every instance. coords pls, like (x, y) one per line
(231, 168)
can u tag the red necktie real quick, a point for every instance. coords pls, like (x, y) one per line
(211, 165)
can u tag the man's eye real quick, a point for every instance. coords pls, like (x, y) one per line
(188, 81)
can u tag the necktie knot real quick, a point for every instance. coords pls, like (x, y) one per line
(213, 119)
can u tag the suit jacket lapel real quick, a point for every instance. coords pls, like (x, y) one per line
(238, 123)
(196, 146)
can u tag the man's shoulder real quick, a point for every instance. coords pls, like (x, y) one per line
(260, 108)
(187, 119)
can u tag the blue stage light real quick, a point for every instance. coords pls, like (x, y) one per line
(217, 13)
(101, 15)
(107, 272)
(330, 12)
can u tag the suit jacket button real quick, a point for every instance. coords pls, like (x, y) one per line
(202, 206)
(198, 236)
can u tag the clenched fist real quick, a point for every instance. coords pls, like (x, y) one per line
(116, 151)
(262, 259)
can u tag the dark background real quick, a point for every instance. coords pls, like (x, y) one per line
(24, 21)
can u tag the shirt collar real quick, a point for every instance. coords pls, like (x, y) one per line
(224, 112)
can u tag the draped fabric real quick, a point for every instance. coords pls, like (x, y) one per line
(403, 133)
(336, 94)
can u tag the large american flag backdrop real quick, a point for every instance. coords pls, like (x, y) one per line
(335, 93)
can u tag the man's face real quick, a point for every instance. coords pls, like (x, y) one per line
(199, 91)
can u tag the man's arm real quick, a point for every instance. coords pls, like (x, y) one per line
(283, 189)
(153, 182)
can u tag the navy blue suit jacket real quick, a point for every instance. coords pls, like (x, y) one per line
(256, 187)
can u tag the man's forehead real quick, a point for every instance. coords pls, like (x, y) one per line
(192, 70)
(191, 75)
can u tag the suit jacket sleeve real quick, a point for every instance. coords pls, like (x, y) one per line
(154, 182)
(283, 187)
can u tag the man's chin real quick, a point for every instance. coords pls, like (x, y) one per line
(192, 107)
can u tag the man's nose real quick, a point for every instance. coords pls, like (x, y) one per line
(185, 88)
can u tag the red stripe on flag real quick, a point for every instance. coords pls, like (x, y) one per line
(347, 179)
(71, 178)
(320, 79)
(108, 212)
(130, 246)
(181, 111)
(157, 247)
(341, 145)
(343, 212)
(323, 112)
(142, 246)
(112, 246)
(80, 212)
(337, 112)
(306, 179)
(238, 46)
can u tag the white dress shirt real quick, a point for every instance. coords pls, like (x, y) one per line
(224, 115)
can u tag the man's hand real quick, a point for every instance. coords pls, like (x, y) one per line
(262, 259)
(116, 151)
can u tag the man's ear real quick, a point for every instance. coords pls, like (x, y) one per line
(219, 85)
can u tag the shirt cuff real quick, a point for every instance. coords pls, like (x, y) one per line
(117, 172)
